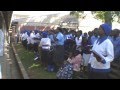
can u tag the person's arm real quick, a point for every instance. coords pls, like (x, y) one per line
(76, 59)
(98, 58)
(54, 37)
(110, 53)
(50, 42)
(28, 40)
(40, 45)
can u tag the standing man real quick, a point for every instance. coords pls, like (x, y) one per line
(59, 51)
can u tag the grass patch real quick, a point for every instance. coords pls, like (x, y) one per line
(34, 69)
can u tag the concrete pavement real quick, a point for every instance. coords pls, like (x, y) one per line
(8, 66)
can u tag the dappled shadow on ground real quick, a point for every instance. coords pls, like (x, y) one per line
(33, 68)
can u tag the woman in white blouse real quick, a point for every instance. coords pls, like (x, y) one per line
(102, 54)
(45, 45)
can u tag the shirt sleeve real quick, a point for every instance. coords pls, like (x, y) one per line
(49, 42)
(90, 59)
(110, 52)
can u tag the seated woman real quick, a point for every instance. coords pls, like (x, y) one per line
(75, 58)
(71, 67)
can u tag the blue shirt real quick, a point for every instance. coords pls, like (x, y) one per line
(89, 41)
(116, 44)
(93, 39)
(60, 38)
(65, 37)
(51, 37)
(111, 38)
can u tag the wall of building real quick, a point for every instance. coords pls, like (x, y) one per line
(5, 33)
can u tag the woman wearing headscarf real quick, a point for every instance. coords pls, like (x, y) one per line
(102, 54)
(45, 45)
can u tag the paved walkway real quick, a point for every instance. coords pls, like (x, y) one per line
(8, 67)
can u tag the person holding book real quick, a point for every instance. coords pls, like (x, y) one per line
(102, 54)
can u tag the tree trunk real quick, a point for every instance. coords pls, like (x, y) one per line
(108, 17)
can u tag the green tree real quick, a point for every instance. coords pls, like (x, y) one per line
(79, 15)
(107, 16)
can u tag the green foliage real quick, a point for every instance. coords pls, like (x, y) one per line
(99, 15)
(33, 68)
(104, 16)
(116, 14)
(107, 15)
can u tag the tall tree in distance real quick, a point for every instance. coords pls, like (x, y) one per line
(107, 16)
